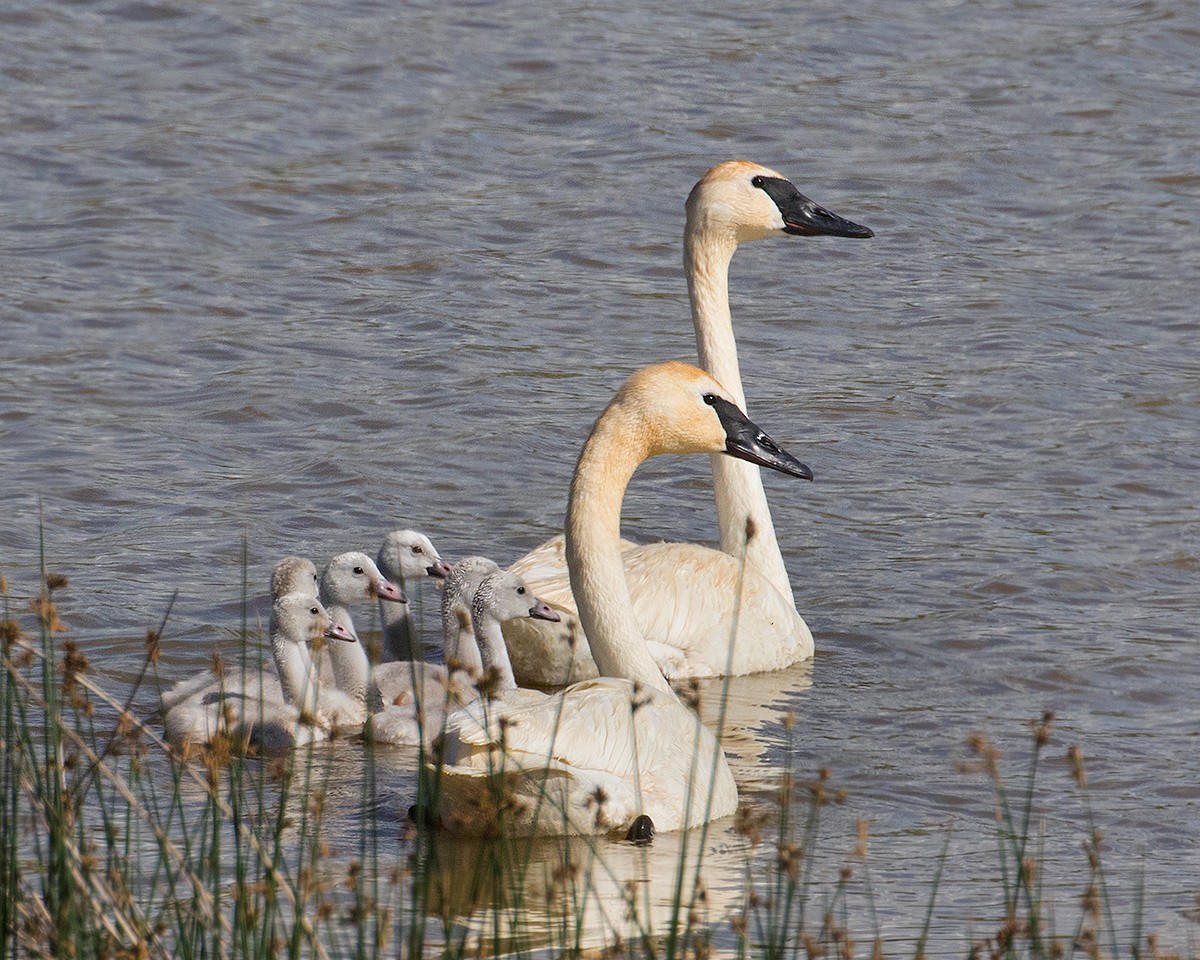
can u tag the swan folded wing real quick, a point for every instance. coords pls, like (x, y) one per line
(234, 683)
(546, 797)
(591, 758)
(588, 726)
(696, 600)
(688, 599)
(547, 563)
(266, 725)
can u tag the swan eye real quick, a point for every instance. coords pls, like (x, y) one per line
(418, 549)
(757, 182)
(710, 398)
(358, 571)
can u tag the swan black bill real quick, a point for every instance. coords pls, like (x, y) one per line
(744, 440)
(803, 217)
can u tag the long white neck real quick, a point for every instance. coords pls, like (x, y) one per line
(351, 667)
(297, 676)
(397, 630)
(458, 638)
(493, 651)
(593, 534)
(736, 484)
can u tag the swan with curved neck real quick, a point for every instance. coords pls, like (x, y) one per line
(603, 752)
(733, 203)
(289, 575)
(405, 557)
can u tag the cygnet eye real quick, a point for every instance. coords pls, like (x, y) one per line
(521, 590)
(358, 571)
(418, 549)
(314, 611)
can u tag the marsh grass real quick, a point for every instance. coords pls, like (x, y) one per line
(115, 845)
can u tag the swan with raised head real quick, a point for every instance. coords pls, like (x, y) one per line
(457, 596)
(289, 575)
(405, 557)
(500, 596)
(296, 714)
(734, 202)
(294, 575)
(604, 752)
(350, 580)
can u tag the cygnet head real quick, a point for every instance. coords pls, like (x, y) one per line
(465, 578)
(741, 201)
(293, 575)
(301, 619)
(352, 578)
(407, 555)
(678, 408)
(505, 596)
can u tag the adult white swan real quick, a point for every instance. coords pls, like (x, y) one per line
(734, 202)
(604, 752)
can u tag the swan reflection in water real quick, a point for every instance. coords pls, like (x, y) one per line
(583, 892)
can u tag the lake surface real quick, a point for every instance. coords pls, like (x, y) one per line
(302, 273)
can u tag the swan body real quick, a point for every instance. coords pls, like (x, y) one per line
(602, 752)
(289, 575)
(405, 556)
(683, 600)
(259, 717)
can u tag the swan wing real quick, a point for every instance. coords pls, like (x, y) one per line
(690, 602)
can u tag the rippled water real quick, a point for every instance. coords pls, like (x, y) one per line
(305, 272)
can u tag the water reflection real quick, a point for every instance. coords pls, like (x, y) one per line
(531, 893)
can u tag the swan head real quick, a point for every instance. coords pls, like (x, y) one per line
(300, 618)
(464, 580)
(407, 555)
(505, 596)
(741, 201)
(678, 408)
(352, 578)
(293, 575)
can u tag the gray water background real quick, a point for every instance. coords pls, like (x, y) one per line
(304, 272)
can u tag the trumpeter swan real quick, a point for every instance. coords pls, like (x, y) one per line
(603, 752)
(294, 575)
(252, 715)
(499, 597)
(289, 575)
(405, 556)
(457, 596)
(352, 579)
(734, 202)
